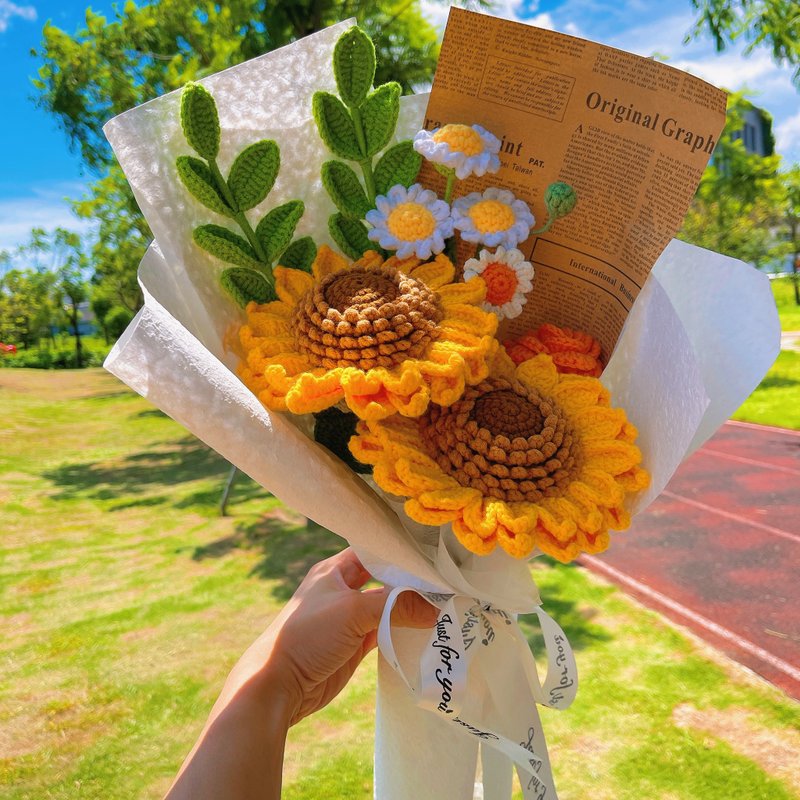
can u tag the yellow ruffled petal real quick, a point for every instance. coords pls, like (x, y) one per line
(366, 448)
(404, 265)
(515, 544)
(475, 543)
(436, 273)
(472, 292)
(327, 262)
(312, 393)
(575, 392)
(502, 365)
(370, 259)
(452, 497)
(538, 373)
(598, 422)
(385, 476)
(421, 480)
(614, 457)
(291, 284)
(428, 516)
(469, 319)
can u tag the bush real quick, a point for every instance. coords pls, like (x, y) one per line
(117, 319)
(61, 356)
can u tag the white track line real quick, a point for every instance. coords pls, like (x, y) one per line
(743, 644)
(793, 537)
(756, 427)
(751, 461)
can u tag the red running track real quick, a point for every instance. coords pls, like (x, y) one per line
(719, 550)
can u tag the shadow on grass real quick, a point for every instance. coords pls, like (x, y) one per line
(151, 478)
(777, 382)
(289, 546)
(574, 617)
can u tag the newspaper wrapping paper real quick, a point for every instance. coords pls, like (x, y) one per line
(698, 340)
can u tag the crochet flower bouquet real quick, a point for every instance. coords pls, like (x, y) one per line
(308, 315)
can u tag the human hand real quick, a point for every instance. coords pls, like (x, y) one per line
(311, 650)
(297, 666)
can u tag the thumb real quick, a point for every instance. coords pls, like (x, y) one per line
(410, 610)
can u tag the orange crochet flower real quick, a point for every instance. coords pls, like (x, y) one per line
(527, 458)
(384, 337)
(573, 352)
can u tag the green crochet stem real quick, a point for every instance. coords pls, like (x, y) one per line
(240, 217)
(449, 186)
(366, 164)
(546, 227)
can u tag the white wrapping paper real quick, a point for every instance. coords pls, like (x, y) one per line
(700, 337)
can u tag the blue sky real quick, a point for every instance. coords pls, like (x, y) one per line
(37, 170)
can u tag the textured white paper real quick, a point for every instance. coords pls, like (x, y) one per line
(701, 335)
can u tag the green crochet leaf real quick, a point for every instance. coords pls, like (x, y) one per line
(300, 254)
(276, 229)
(226, 245)
(399, 164)
(354, 65)
(335, 126)
(200, 121)
(197, 178)
(245, 285)
(253, 173)
(379, 116)
(345, 189)
(350, 235)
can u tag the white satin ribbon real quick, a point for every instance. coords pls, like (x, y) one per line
(478, 673)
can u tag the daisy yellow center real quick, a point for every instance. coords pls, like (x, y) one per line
(491, 216)
(410, 222)
(461, 138)
(501, 283)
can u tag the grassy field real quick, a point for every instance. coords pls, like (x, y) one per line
(783, 289)
(125, 599)
(775, 401)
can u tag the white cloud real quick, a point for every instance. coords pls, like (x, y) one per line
(44, 207)
(787, 136)
(9, 10)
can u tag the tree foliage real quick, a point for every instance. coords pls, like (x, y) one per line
(770, 23)
(143, 51)
(739, 201)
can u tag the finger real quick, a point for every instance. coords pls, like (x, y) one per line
(413, 611)
(352, 570)
(410, 610)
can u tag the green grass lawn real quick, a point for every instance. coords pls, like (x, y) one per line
(776, 401)
(783, 289)
(125, 599)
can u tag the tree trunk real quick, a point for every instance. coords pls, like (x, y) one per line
(77, 333)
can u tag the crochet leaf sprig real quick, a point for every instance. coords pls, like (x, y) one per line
(356, 126)
(250, 179)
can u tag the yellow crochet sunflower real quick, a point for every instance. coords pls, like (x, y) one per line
(527, 458)
(385, 337)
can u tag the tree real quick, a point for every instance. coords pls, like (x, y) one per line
(144, 51)
(772, 23)
(26, 308)
(59, 254)
(739, 202)
(791, 186)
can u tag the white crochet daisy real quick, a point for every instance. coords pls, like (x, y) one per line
(493, 218)
(507, 276)
(467, 149)
(412, 222)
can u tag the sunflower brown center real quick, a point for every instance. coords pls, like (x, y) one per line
(366, 317)
(505, 440)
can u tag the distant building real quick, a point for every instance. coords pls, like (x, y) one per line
(756, 132)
